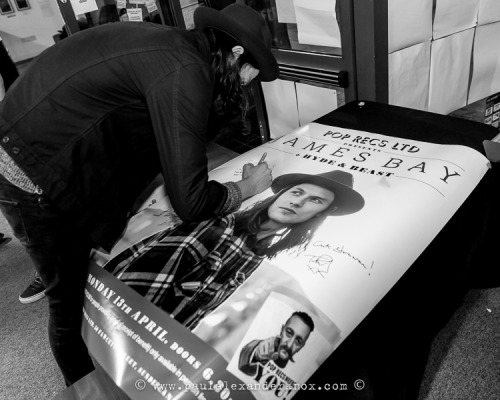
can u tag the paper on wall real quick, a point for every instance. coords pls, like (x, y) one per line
(314, 102)
(450, 67)
(453, 16)
(151, 5)
(409, 76)
(46, 8)
(486, 59)
(134, 14)
(188, 15)
(83, 6)
(489, 11)
(281, 105)
(121, 4)
(286, 12)
(410, 22)
(317, 22)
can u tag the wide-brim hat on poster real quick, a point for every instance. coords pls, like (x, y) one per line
(341, 183)
(248, 28)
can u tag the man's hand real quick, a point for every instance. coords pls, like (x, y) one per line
(267, 349)
(256, 179)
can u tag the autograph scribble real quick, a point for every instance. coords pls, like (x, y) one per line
(321, 264)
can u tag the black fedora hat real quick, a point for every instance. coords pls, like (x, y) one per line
(248, 28)
(347, 200)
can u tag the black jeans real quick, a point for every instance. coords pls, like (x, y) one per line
(60, 254)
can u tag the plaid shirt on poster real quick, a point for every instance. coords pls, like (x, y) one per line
(190, 269)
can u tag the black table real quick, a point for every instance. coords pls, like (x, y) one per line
(389, 349)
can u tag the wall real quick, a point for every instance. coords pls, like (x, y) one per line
(443, 54)
(291, 105)
(27, 33)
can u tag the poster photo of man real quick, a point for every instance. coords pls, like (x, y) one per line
(282, 347)
(192, 268)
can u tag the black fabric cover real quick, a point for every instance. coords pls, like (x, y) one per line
(389, 349)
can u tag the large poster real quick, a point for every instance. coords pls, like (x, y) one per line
(268, 293)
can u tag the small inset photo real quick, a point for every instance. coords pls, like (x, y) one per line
(285, 344)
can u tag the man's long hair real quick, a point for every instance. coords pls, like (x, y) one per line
(296, 236)
(229, 96)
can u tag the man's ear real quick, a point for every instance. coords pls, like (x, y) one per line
(237, 51)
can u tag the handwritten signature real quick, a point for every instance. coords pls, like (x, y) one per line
(321, 264)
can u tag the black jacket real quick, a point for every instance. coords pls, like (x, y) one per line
(98, 115)
(8, 69)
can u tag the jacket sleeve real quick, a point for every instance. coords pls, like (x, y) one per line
(179, 105)
(247, 363)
